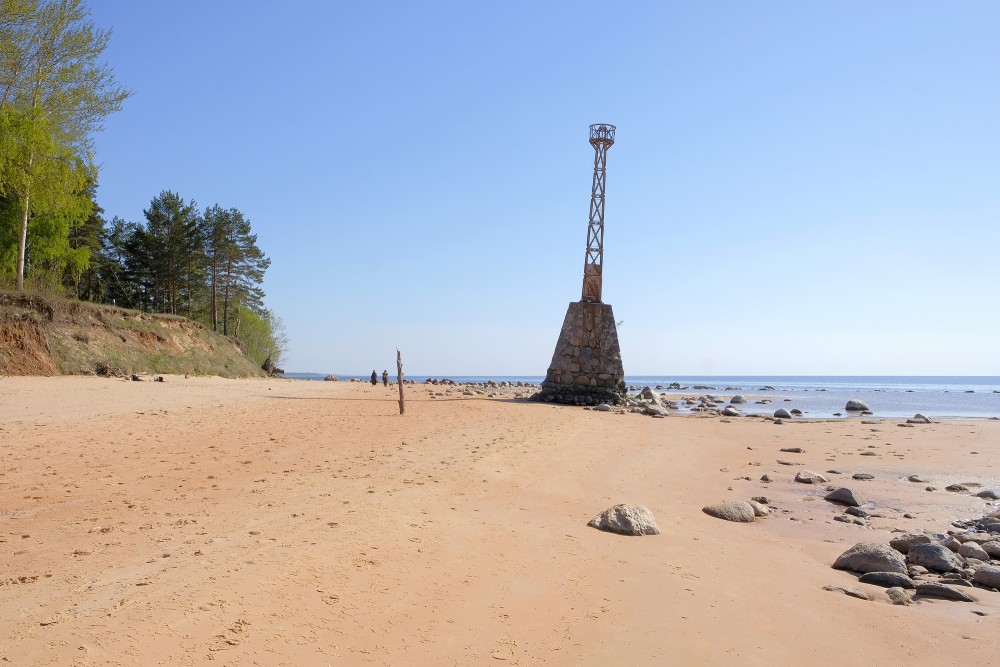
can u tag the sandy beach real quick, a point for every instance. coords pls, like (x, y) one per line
(275, 522)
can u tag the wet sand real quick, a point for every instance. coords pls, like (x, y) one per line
(307, 523)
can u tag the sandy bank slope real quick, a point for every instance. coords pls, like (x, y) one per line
(273, 522)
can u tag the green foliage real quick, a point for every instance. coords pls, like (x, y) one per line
(262, 335)
(54, 94)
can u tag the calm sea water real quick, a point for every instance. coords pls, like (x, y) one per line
(938, 397)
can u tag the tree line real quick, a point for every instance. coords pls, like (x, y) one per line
(55, 92)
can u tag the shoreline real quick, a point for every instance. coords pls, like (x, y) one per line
(246, 521)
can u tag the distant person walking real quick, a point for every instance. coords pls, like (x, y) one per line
(374, 379)
(385, 378)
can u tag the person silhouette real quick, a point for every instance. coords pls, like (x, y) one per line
(374, 378)
(385, 378)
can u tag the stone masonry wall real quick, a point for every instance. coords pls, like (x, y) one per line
(586, 366)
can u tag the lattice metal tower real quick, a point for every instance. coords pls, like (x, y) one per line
(602, 137)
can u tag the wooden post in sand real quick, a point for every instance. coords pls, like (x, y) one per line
(399, 378)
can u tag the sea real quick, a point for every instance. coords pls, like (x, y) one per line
(818, 396)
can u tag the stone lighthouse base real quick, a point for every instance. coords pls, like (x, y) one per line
(586, 367)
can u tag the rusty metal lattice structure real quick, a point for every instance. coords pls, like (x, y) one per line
(602, 137)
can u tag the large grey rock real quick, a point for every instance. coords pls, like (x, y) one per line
(899, 596)
(904, 543)
(730, 411)
(782, 413)
(918, 419)
(987, 575)
(626, 520)
(887, 580)
(972, 550)
(810, 477)
(992, 548)
(737, 399)
(990, 494)
(871, 557)
(855, 405)
(845, 496)
(936, 557)
(934, 589)
(734, 510)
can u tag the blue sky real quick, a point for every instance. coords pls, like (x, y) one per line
(796, 187)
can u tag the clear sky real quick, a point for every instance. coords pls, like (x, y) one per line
(796, 187)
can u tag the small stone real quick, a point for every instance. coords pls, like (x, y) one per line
(852, 592)
(898, 596)
(759, 510)
(626, 520)
(793, 450)
(863, 476)
(845, 496)
(810, 477)
(739, 511)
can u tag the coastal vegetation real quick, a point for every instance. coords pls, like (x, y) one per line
(55, 92)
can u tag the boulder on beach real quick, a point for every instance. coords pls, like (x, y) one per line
(730, 411)
(626, 520)
(331, 378)
(990, 494)
(918, 419)
(867, 557)
(936, 557)
(782, 413)
(855, 405)
(934, 589)
(973, 550)
(655, 411)
(845, 496)
(739, 511)
(903, 543)
(987, 575)
(810, 477)
(887, 580)
(738, 398)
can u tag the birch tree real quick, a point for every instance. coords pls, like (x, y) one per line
(54, 95)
